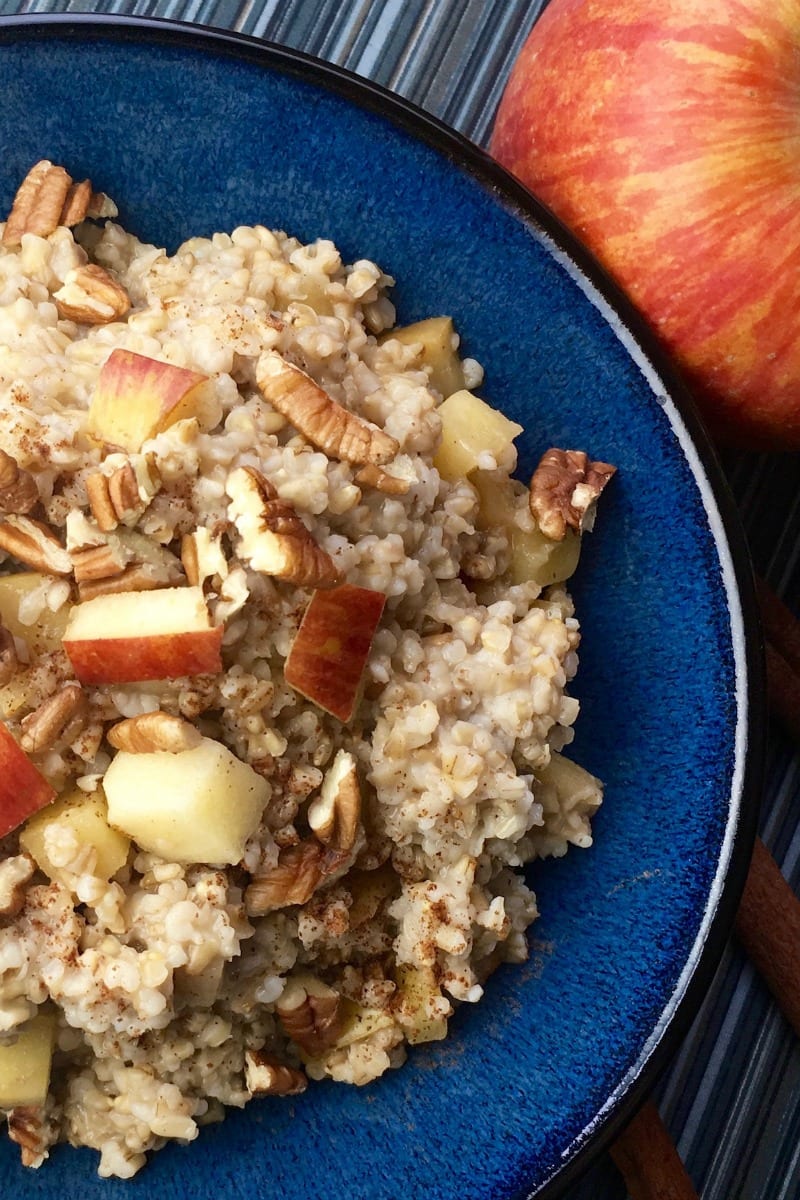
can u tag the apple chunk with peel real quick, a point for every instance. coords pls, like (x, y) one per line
(128, 637)
(25, 1062)
(23, 791)
(327, 657)
(199, 805)
(137, 397)
(84, 816)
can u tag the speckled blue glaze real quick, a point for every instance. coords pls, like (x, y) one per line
(195, 136)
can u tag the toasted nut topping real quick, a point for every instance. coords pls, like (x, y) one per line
(14, 874)
(137, 577)
(76, 203)
(152, 732)
(123, 491)
(28, 1127)
(202, 556)
(58, 720)
(311, 1014)
(340, 433)
(18, 490)
(91, 296)
(273, 538)
(265, 1076)
(99, 562)
(100, 502)
(383, 481)
(335, 814)
(38, 203)
(101, 206)
(8, 656)
(293, 881)
(34, 544)
(563, 490)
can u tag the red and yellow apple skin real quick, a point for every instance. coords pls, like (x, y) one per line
(23, 790)
(667, 136)
(327, 658)
(129, 637)
(137, 397)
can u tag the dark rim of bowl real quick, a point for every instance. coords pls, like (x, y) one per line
(471, 158)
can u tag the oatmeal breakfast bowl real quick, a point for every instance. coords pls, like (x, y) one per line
(380, 708)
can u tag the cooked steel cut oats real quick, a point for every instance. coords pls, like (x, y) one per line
(212, 887)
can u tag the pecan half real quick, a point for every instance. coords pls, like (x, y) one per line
(38, 203)
(8, 656)
(57, 721)
(326, 424)
(335, 814)
(34, 544)
(382, 481)
(15, 872)
(91, 296)
(18, 490)
(293, 880)
(311, 1014)
(272, 537)
(265, 1076)
(154, 731)
(563, 490)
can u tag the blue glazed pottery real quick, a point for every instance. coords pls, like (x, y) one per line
(193, 132)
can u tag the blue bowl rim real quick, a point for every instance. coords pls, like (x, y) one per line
(634, 1090)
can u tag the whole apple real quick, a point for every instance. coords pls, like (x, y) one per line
(666, 134)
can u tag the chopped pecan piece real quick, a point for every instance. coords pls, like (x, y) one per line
(202, 556)
(57, 721)
(38, 203)
(293, 880)
(91, 296)
(99, 562)
(265, 1076)
(8, 656)
(154, 731)
(18, 490)
(34, 1133)
(336, 430)
(273, 538)
(114, 498)
(563, 489)
(76, 203)
(311, 1014)
(334, 815)
(35, 545)
(383, 481)
(15, 872)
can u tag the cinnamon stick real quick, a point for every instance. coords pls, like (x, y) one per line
(768, 926)
(646, 1158)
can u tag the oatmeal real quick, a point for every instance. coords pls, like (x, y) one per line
(284, 663)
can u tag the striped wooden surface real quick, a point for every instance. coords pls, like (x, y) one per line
(731, 1099)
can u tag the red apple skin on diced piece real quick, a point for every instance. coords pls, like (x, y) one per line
(23, 790)
(137, 397)
(327, 658)
(152, 656)
(129, 637)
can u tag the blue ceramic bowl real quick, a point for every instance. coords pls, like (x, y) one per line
(194, 132)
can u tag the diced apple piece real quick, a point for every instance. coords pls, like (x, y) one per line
(23, 791)
(25, 1062)
(137, 397)
(361, 1023)
(327, 658)
(127, 637)
(85, 816)
(439, 352)
(419, 995)
(199, 805)
(539, 558)
(471, 428)
(533, 556)
(45, 634)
